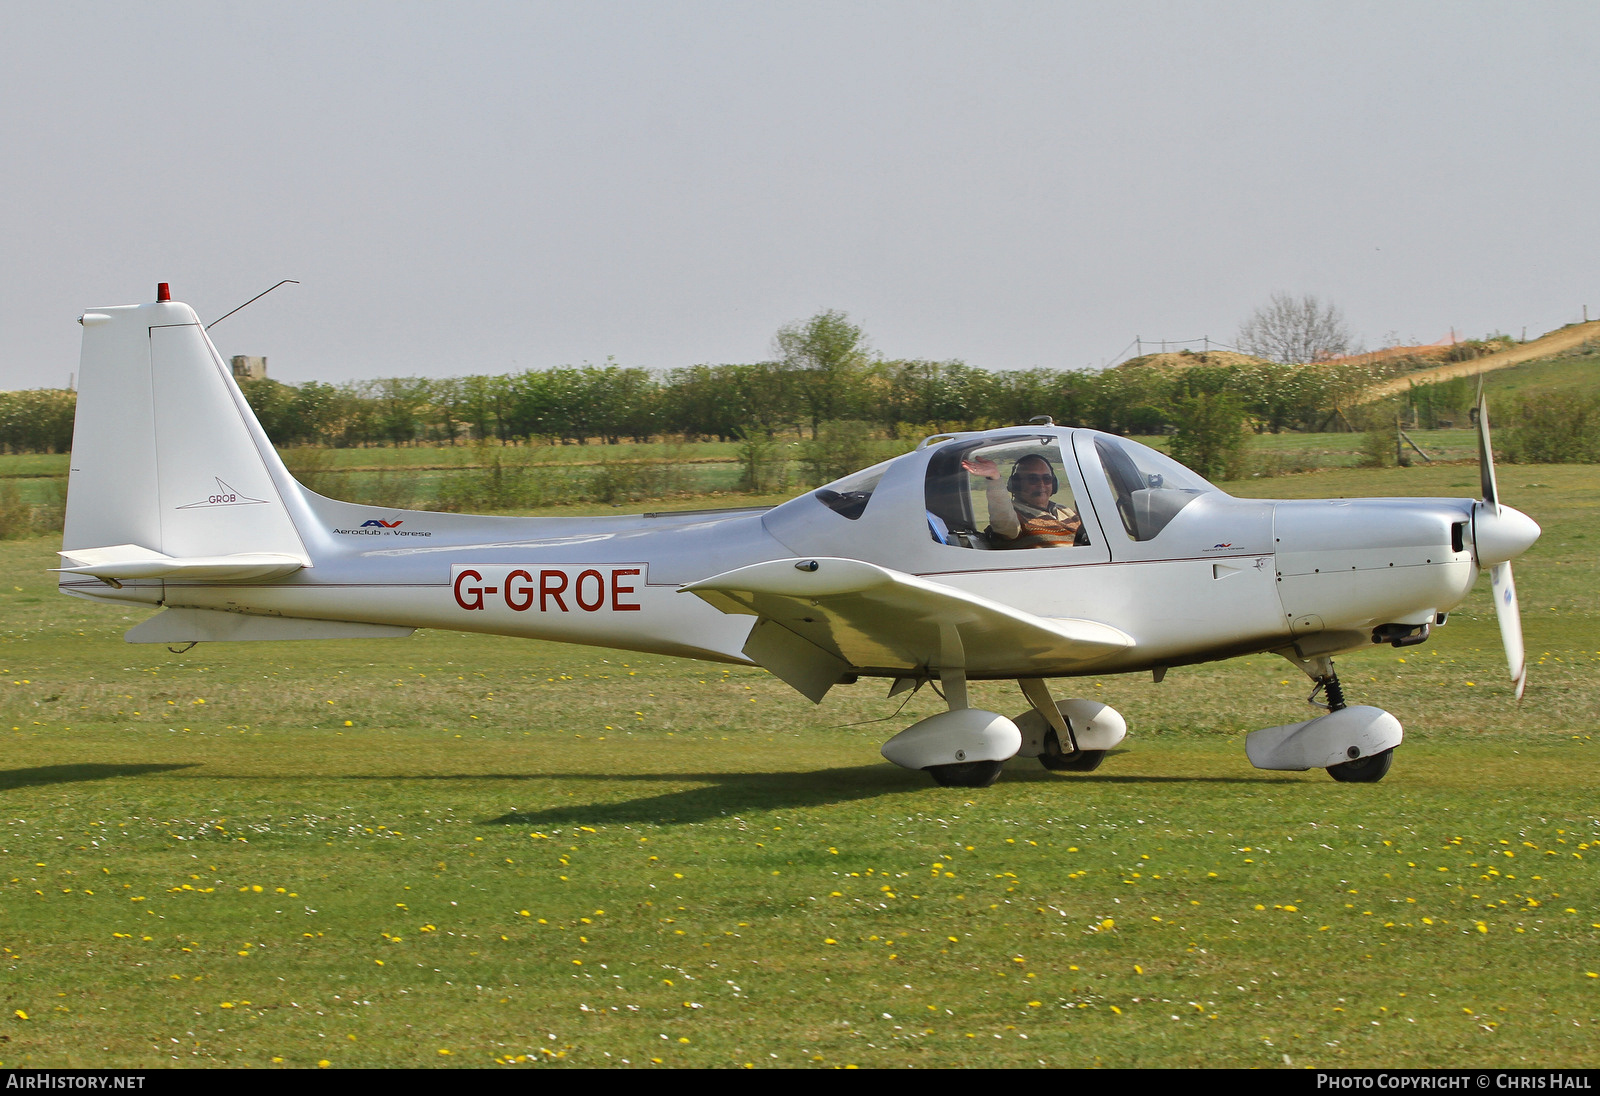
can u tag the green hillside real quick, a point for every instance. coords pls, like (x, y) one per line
(1577, 373)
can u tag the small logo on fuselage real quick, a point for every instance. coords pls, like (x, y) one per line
(379, 527)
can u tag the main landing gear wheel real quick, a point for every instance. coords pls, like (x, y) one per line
(1057, 760)
(1364, 770)
(966, 774)
(1083, 761)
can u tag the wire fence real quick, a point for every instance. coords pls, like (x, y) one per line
(1141, 346)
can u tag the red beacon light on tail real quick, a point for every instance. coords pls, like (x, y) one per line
(163, 292)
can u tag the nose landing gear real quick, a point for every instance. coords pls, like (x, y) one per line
(1354, 743)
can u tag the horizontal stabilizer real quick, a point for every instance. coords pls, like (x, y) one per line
(129, 562)
(874, 618)
(209, 626)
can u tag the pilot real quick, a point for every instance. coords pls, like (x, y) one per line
(1021, 512)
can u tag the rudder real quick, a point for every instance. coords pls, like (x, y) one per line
(166, 454)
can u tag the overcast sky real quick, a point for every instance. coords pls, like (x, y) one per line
(477, 188)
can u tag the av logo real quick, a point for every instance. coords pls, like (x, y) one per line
(378, 523)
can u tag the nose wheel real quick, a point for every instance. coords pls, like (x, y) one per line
(1355, 743)
(1365, 770)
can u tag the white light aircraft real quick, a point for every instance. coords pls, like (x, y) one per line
(909, 570)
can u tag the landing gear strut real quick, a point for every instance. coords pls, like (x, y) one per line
(1328, 683)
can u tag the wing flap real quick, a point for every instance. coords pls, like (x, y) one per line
(876, 619)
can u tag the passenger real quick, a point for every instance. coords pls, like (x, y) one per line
(1021, 512)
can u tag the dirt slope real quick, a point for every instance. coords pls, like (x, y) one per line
(1547, 346)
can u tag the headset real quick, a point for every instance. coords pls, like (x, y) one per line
(1011, 484)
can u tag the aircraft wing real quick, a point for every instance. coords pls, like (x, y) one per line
(850, 616)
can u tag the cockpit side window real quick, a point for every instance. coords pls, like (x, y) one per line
(1005, 494)
(849, 496)
(1150, 488)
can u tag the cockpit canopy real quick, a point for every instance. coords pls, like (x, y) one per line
(972, 481)
(1022, 487)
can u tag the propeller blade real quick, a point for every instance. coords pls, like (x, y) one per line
(1510, 614)
(1516, 533)
(1491, 492)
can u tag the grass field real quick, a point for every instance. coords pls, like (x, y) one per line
(458, 850)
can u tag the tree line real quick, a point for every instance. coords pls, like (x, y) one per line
(822, 371)
(726, 402)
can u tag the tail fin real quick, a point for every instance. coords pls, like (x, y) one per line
(171, 475)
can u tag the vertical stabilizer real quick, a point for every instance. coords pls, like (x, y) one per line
(166, 454)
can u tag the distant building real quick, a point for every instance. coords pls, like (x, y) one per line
(248, 368)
